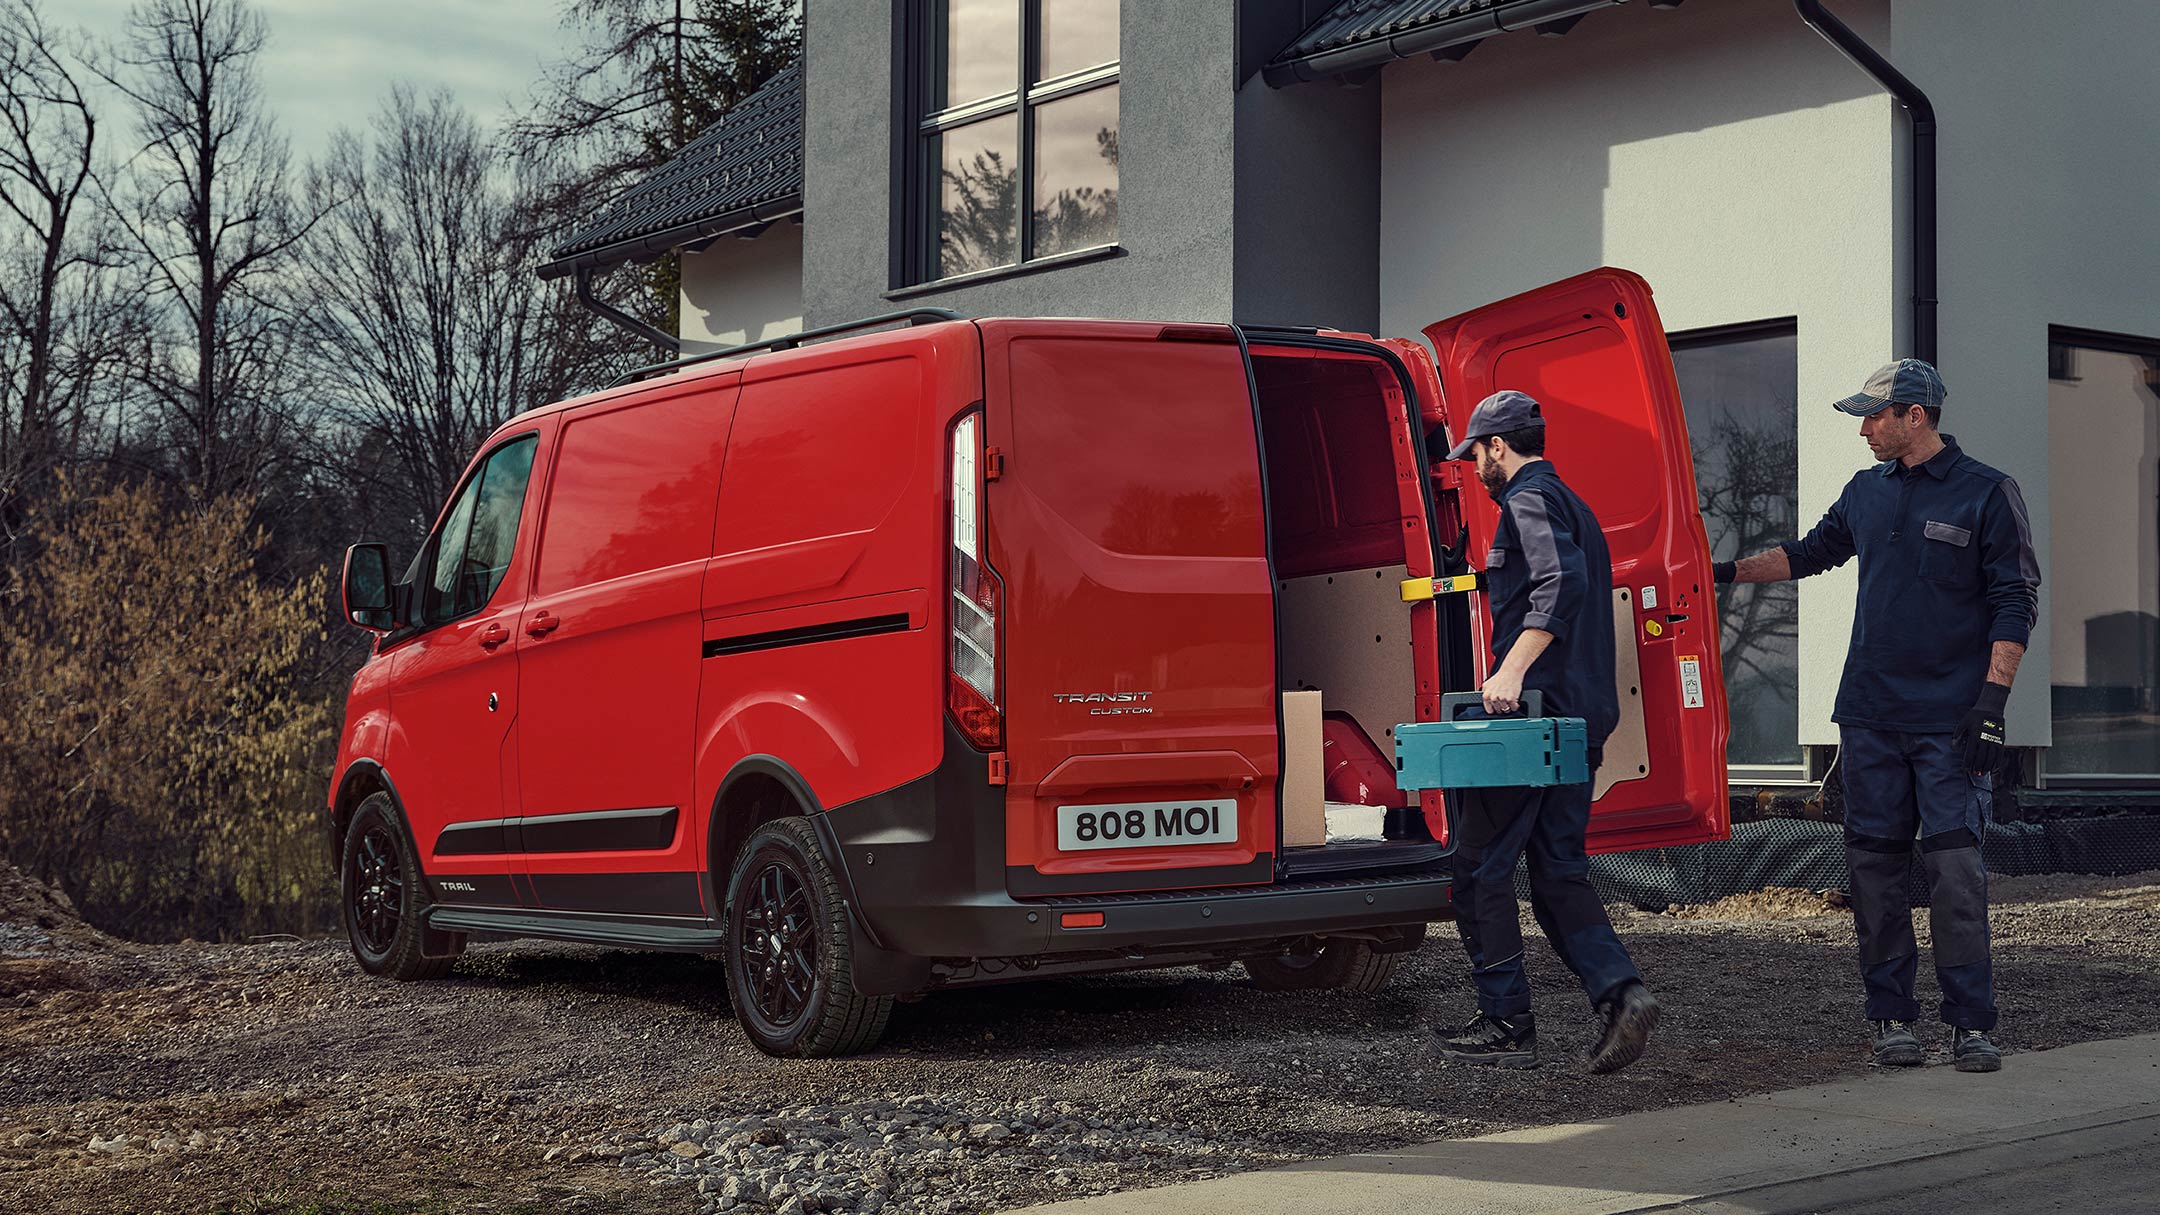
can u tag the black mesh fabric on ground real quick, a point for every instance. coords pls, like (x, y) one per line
(1811, 855)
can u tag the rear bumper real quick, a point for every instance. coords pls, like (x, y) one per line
(925, 875)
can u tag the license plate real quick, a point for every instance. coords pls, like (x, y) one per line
(1146, 825)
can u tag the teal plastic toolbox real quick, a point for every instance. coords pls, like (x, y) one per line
(1491, 752)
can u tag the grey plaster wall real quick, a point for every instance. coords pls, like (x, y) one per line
(1308, 206)
(1177, 97)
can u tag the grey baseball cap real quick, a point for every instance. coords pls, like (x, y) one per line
(1905, 382)
(1497, 415)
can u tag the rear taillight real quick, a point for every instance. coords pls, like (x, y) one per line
(974, 601)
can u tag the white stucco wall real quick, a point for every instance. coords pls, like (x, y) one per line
(736, 290)
(1724, 152)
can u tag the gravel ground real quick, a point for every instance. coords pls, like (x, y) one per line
(275, 1077)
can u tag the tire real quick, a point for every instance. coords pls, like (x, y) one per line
(383, 895)
(790, 955)
(1329, 963)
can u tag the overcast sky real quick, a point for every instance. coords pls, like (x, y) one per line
(329, 62)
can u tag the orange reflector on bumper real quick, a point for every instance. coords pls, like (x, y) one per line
(1081, 919)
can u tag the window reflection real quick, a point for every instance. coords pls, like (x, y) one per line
(1741, 396)
(980, 51)
(1077, 34)
(1076, 172)
(979, 198)
(2104, 564)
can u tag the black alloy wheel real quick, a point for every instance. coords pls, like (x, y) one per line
(384, 896)
(777, 933)
(791, 949)
(377, 891)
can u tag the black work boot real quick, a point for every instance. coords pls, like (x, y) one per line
(1631, 1013)
(1498, 1041)
(1896, 1045)
(1971, 1051)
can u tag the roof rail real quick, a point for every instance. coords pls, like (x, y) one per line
(913, 316)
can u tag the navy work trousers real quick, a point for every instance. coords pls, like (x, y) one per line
(1548, 826)
(1899, 786)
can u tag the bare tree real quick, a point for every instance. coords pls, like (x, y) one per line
(651, 76)
(423, 311)
(213, 221)
(65, 316)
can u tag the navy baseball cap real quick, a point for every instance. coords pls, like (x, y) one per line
(1503, 411)
(1905, 382)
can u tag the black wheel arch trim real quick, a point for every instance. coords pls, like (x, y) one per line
(828, 842)
(345, 805)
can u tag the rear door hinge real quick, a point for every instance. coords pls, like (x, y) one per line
(993, 463)
(998, 768)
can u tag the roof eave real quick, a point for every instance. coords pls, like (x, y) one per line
(1469, 27)
(645, 248)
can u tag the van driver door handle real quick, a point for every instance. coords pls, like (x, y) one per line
(542, 624)
(493, 635)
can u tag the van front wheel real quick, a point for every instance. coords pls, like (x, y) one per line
(1329, 962)
(790, 964)
(385, 896)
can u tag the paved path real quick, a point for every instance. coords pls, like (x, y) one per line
(2064, 1130)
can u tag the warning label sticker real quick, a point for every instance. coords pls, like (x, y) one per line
(1691, 681)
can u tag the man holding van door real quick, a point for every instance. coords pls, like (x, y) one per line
(1947, 588)
(1548, 583)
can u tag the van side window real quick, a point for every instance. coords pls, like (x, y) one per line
(473, 551)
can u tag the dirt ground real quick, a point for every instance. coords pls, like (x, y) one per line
(275, 1077)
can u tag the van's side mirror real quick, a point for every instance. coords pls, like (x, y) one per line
(368, 594)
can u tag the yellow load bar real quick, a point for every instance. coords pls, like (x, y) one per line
(1415, 590)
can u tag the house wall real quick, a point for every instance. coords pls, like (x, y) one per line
(1176, 174)
(2047, 182)
(736, 291)
(1724, 152)
(1308, 206)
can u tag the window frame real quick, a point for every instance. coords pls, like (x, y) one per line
(914, 245)
(421, 574)
(1797, 772)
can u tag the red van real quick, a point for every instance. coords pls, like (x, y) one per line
(955, 653)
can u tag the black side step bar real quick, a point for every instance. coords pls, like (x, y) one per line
(690, 936)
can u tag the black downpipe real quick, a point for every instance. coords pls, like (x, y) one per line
(616, 316)
(1922, 112)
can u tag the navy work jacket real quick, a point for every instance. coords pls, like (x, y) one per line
(1946, 570)
(1549, 569)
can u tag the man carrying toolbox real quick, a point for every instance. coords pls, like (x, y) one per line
(1948, 582)
(1548, 580)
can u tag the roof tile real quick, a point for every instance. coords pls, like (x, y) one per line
(753, 154)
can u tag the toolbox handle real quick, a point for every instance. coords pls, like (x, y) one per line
(1533, 704)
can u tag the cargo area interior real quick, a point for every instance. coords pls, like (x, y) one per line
(1347, 672)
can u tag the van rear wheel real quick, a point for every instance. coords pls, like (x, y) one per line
(1327, 963)
(790, 964)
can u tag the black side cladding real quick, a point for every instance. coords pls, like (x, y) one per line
(926, 870)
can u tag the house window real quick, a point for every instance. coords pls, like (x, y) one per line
(1011, 134)
(2103, 614)
(1740, 388)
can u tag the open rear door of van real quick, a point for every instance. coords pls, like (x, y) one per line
(1592, 351)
